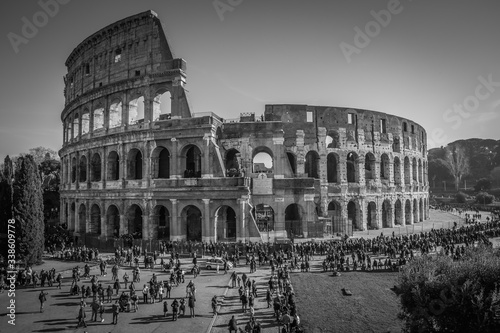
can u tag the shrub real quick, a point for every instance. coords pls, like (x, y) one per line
(483, 184)
(442, 295)
(484, 198)
(461, 197)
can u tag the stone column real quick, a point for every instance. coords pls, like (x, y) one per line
(205, 235)
(103, 225)
(125, 110)
(89, 161)
(174, 224)
(175, 171)
(300, 153)
(207, 166)
(77, 173)
(122, 159)
(104, 164)
(123, 225)
(147, 162)
(240, 222)
(278, 157)
(146, 229)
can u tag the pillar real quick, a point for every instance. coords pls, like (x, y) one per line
(206, 227)
(174, 225)
(206, 169)
(300, 153)
(278, 141)
(174, 165)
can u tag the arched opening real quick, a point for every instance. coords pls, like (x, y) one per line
(134, 218)
(264, 215)
(191, 217)
(353, 216)
(73, 170)
(76, 126)
(115, 114)
(386, 214)
(371, 217)
(262, 161)
(233, 163)
(136, 111)
(225, 224)
(335, 213)
(415, 211)
(332, 168)
(398, 213)
(407, 168)
(193, 162)
(95, 168)
(352, 167)
(292, 162)
(85, 122)
(162, 105)
(312, 164)
(163, 222)
(83, 169)
(293, 220)
(332, 140)
(397, 171)
(98, 118)
(82, 218)
(160, 159)
(113, 221)
(421, 209)
(396, 145)
(384, 167)
(420, 174)
(415, 170)
(408, 212)
(134, 163)
(72, 218)
(113, 166)
(369, 167)
(95, 220)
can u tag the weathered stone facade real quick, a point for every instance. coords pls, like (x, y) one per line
(136, 162)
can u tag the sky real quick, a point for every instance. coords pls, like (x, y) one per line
(434, 62)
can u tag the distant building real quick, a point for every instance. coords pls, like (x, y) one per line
(136, 160)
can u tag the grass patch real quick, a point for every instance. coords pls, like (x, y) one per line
(322, 307)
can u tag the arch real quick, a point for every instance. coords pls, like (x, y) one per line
(233, 163)
(371, 216)
(333, 139)
(162, 222)
(225, 224)
(95, 220)
(407, 168)
(292, 160)
(312, 164)
(134, 164)
(82, 219)
(264, 215)
(162, 105)
(135, 221)
(115, 114)
(396, 145)
(421, 210)
(192, 223)
(414, 170)
(98, 116)
(353, 215)
(262, 159)
(397, 171)
(415, 211)
(113, 221)
(352, 167)
(335, 213)
(95, 168)
(76, 126)
(408, 211)
(332, 170)
(192, 157)
(83, 169)
(113, 166)
(420, 174)
(72, 218)
(136, 111)
(73, 170)
(398, 213)
(293, 220)
(369, 167)
(160, 159)
(386, 214)
(385, 167)
(85, 122)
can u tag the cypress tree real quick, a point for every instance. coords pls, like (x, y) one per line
(5, 202)
(28, 210)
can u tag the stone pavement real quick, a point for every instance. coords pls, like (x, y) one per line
(61, 309)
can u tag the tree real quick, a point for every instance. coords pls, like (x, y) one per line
(28, 210)
(484, 198)
(495, 175)
(457, 163)
(41, 154)
(5, 201)
(482, 184)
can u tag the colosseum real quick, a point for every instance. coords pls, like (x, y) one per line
(136, 160)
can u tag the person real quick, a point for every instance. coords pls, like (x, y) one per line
(165, 309)
(182, 306)
(95, 308)
(116, 285)
(109, 293)
(116, 311)
(175, 309)
(233, 325)
(191, 306)
(101, 311)
(145, 292)
(59, 280)
(42, 298)
(81, 317)
(268, 298)
(214, 304)
(233, 279)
